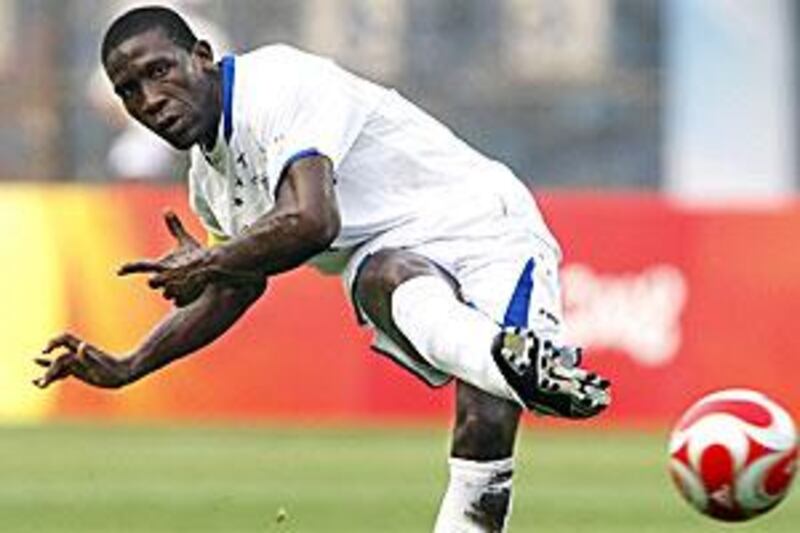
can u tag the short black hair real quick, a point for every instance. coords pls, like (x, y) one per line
(144, 19)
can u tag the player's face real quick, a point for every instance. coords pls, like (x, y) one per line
(169, 90)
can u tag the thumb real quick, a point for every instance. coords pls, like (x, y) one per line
(176, 229)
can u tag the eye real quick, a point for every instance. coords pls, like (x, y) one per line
(126, 91)
(159, 70)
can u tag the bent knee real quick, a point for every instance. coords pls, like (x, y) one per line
(387, 269)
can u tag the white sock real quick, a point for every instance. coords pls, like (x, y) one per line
(453, 337)
(478, 497)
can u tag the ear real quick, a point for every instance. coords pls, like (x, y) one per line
(202, 50)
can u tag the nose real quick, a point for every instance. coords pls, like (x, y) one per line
(152, 100)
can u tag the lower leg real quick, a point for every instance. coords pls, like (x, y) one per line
(478, 496)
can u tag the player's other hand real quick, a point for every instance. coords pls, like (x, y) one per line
(182, 274)
(68, 355)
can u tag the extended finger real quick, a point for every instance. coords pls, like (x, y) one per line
(145, 266)
(66, 340)
(41, 361)
(58, 371)
(176, 229)
(44, 381)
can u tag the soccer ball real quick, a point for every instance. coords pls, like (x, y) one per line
(733, 454)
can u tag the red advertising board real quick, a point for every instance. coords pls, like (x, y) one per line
(671, 302)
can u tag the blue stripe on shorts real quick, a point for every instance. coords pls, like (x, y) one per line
(519, 306)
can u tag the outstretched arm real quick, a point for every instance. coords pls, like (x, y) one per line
(211, 287)
(204, 316)
(190, 328)
(180, 333)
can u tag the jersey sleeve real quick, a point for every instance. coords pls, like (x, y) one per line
(325, 109)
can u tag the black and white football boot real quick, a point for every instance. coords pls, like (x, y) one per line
(548, 379)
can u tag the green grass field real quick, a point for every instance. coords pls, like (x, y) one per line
(127, 479)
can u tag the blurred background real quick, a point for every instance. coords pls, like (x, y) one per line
(568, 92)
(602, 93)
(659, 137)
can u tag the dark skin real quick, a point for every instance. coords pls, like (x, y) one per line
(210, 287)
(176, 93)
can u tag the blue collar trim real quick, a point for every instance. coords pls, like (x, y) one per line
(228, 66)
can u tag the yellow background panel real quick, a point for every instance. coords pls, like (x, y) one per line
(34, 303)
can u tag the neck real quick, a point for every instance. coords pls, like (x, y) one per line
(209, 139)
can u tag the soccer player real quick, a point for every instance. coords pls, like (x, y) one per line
(442, 250)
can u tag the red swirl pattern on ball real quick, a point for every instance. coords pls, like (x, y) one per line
(755, 451)
(734, 455)
(717, 472)
(781, 475)
(748, 411)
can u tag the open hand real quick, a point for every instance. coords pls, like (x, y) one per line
(82, 361)
(184, 273)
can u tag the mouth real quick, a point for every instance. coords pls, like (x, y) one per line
(169, 125)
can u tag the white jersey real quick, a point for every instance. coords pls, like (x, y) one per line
(393, 164)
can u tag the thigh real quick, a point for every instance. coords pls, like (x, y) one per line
(378, 276)
(485, 427)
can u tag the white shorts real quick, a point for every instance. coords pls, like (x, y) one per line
(498, 250)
